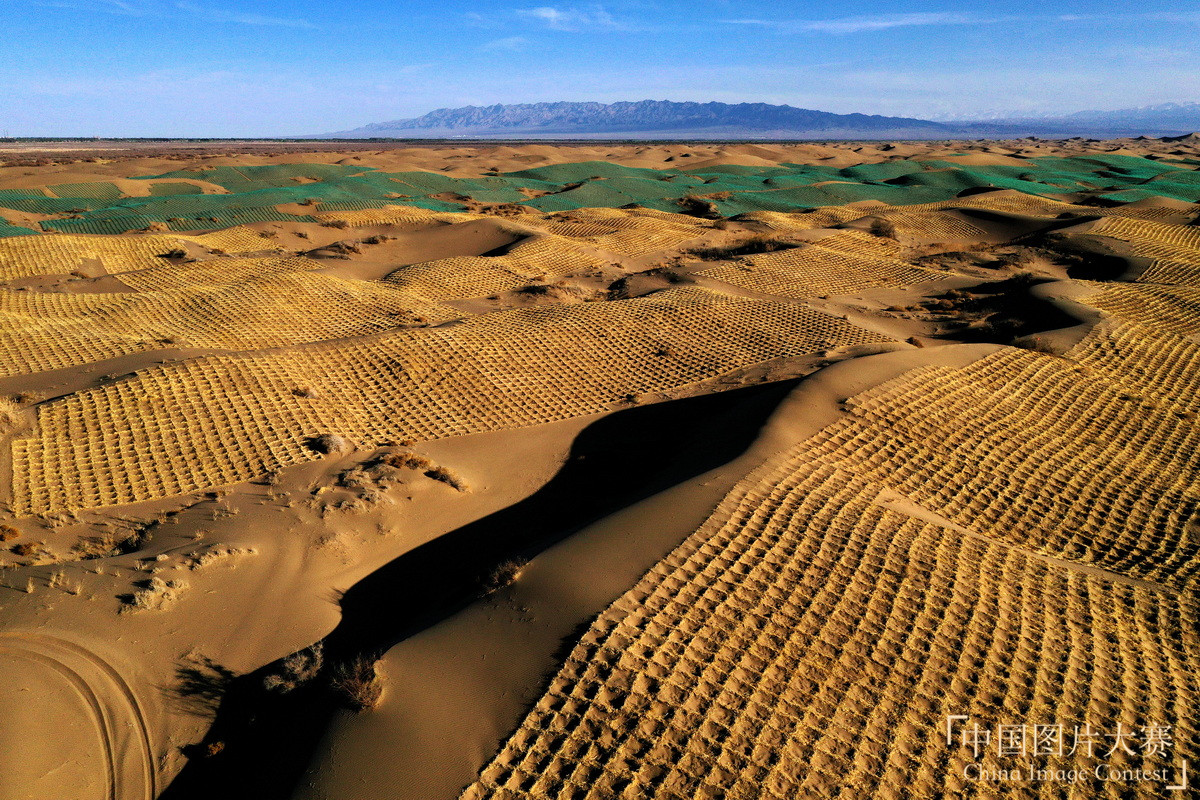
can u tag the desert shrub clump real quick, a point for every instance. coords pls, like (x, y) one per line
(883, 228)
(358, 683)
(503, 574)
(9, 417)
(329, 443)
(297, 669)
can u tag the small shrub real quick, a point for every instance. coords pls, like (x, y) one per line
(747, 247)
(883, 228)
(297, 669)
(448, 477)
(29, 549)
(696, 206)
(1037, 344)
(358, 683)
(408, 461)
(155, 595)
(8, 533)
(503, 574)
(329, 443)
(10, 417)
(335, 223)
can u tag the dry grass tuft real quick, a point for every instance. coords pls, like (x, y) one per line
(329, 443)
(761, 243)
(448, 477)
(10, 417)
(30, 549)
(358, 683)
(297, 669)
(1035, 343)
(503, 574)
(156, 595)
(198, 559)
(883, 228)
(408, 461)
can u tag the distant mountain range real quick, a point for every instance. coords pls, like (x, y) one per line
(663, 119)
(1166, 119)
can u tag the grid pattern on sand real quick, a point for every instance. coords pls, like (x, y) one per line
(55, 254)
(1137, 230)
(395, 215)
(632, 232)
(860, 243)
(61, 254)
(233, 240)
(1146, 361)
(214, 272)
(930, 224)
(810, 271)
(534, 259)
(1165, 252)
(224, 419)
(1035, 451)
(826, 217)
(1173, 308)
(44, 331)
(1173, 273)
(806, 642)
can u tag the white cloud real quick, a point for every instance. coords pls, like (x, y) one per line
(157, 8)
(865, 23)
(237, 17)
(124, 7)
(879, 22)
(511, 43)
(570, 19)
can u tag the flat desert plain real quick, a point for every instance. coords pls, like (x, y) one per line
(543, 471)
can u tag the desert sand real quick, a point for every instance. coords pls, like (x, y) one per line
(610, 471)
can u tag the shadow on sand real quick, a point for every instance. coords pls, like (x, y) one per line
(262, 741)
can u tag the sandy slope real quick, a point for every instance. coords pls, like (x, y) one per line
(237, 476)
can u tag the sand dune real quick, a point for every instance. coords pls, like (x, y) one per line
(735, 491)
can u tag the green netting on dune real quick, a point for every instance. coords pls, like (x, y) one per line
(40, 204)
(1190, 194)
(429, 204)
(732, 183)
(742, 169)
(683, 180)
(255, 194)
(243, 217)
(109, 226)
(498, 196)
(1176, 177)
(588, 195)
(8, 229)
(99, 190)
(126, 223)
(239, 179)
(886, 171)
(583, 171)
(349, 205)
(172, 189)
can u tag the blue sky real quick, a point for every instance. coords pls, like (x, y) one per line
(255, 68)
